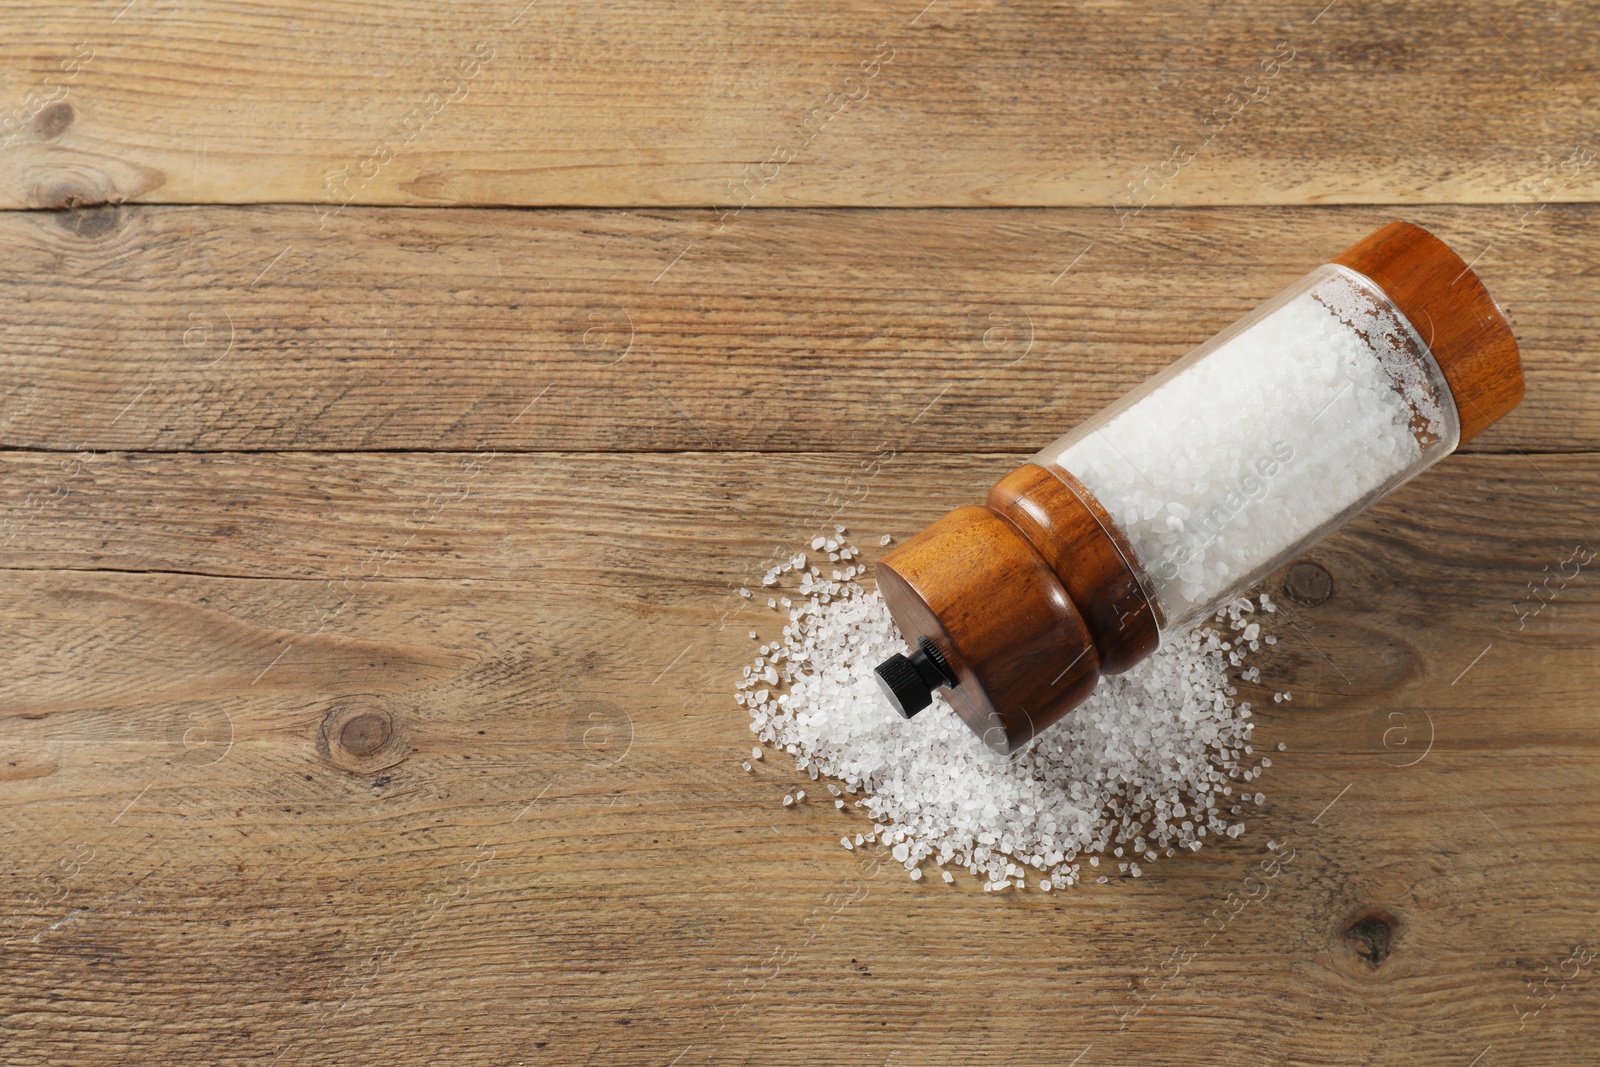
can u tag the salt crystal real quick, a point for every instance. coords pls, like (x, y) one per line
(755, 752)
(745, 592)
(845, 841)
(787, 800)
(916, 874)
(885, 539)
(948, 877)
(818, 542)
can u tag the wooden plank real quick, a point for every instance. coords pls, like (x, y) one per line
(218, 328)
(557, 852)
(724, 104)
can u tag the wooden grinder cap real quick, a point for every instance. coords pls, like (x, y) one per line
(1452, 312)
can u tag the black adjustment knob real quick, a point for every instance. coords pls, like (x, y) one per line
(902, 686)
(908, 682)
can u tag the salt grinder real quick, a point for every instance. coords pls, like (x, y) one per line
(1188, 491)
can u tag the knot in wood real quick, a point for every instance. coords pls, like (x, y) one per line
(1307, 583)
(53, 120)
(1372, 932)
(361, 736)
(364, 734)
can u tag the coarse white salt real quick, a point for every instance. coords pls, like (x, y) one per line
(1142, 763)
(1262, 438)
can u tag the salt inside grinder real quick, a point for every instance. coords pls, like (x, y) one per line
(1186, 492)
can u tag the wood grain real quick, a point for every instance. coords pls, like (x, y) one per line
(372, 545)
(838, 102)
(564, 843)
(217, 328)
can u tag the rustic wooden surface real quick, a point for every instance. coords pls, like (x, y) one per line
(226, 329)
(913, 103)
(371, 575)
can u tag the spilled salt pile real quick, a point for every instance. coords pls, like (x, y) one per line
(1157, 759)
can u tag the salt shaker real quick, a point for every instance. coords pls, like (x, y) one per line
(1198, 484)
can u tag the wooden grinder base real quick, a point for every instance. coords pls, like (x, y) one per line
(1030, 598)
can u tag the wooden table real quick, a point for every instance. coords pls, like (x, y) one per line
(397, 396)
